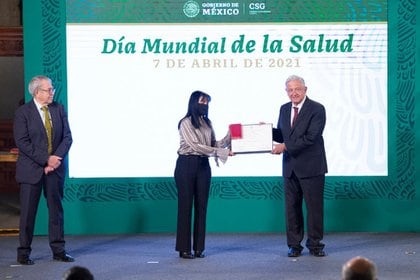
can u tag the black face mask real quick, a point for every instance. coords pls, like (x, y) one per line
(203, 109)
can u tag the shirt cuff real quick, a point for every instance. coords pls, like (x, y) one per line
(222, 154)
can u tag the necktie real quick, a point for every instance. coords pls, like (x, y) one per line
(48, 128)
(295, 115)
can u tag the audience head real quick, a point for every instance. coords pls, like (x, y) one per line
(359, 268)
(78, 273)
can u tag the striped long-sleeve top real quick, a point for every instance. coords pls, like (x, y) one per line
(202, 141)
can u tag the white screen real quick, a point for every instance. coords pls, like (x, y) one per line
(124, 107)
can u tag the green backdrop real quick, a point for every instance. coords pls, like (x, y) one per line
(246, 204)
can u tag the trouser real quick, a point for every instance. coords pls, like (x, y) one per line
(312, 191)
(52, 186)
(192, 178)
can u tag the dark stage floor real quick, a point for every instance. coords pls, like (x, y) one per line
(229, 256)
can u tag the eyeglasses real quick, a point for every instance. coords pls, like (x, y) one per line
(49, 90)
(298, 90)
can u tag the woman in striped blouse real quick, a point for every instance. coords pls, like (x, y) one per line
(193, 173)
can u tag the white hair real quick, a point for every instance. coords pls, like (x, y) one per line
(35, 83)
(294, 78)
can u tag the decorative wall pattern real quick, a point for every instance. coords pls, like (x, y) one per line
(53, 38)
(11, 41)
(131, 192)
(405, 106)
(400, 187)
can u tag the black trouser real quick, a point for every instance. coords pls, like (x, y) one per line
(30, 194)
(312, 191)
(192, 178)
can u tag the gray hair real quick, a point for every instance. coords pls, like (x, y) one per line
(35, 83)
(293, 78)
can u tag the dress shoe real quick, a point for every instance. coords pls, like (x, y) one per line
(199, 254)
(63, 258)
(25, 261)
(293, 253)
(317, 253)
(186, 255)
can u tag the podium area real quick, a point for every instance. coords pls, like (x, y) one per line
(228, 256)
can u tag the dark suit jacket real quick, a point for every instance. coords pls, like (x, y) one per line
(31, 140)
(305, 153)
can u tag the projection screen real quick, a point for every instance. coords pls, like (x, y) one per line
(131, 68)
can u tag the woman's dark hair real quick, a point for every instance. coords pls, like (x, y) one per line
(193, 110)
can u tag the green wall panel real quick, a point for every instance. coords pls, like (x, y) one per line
(242, 204)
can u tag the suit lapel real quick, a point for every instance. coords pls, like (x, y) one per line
(54, 118)
(302, 112)
(287, 129)
(36, 116)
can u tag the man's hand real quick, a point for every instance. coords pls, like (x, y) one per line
(54, 161)
(48, 169)
(278, 148)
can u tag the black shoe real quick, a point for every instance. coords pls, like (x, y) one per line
(25, 261)
(293, 253)
(317, 253)
(186, 255)
(63, 258)
(199, 254)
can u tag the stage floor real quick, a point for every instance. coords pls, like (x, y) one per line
(229, 256)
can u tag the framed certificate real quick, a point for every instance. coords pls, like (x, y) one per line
(251, 138)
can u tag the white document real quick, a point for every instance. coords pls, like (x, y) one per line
(255, 138)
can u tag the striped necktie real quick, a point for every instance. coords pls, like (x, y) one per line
(48, 128)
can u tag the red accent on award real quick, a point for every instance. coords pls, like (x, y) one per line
(235, 130)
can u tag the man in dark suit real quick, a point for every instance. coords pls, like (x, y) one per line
(43, 138)
(299, 134)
